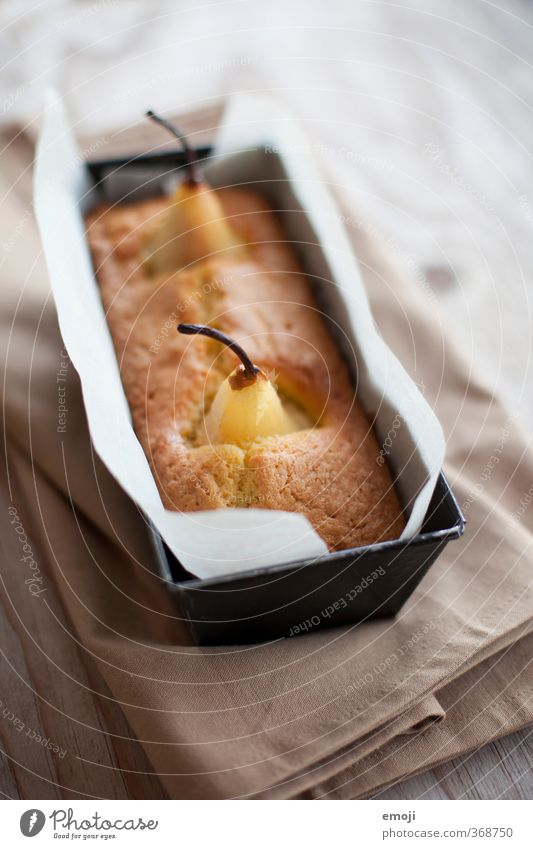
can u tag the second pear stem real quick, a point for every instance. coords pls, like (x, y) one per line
(192, 163)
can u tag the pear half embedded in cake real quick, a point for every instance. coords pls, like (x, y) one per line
(245, 410)
(193, 227)
(247, 406)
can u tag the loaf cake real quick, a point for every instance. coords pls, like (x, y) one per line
(328, 467)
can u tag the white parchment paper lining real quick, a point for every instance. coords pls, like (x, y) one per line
(257, 132)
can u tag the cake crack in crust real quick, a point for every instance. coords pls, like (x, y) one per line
(327, 469)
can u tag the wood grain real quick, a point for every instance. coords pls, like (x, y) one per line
(500, 770)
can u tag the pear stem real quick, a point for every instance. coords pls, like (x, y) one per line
(193, 177)
(250, 370)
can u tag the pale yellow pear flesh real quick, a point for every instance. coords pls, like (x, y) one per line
(239, 416)
(192, 229)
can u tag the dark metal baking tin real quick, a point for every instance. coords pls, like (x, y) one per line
(341, 588)
(297, 598)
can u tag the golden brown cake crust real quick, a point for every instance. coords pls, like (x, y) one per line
(329, 472)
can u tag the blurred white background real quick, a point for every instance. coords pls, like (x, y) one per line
(421, 114)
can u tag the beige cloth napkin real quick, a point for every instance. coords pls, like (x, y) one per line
(340, 712)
